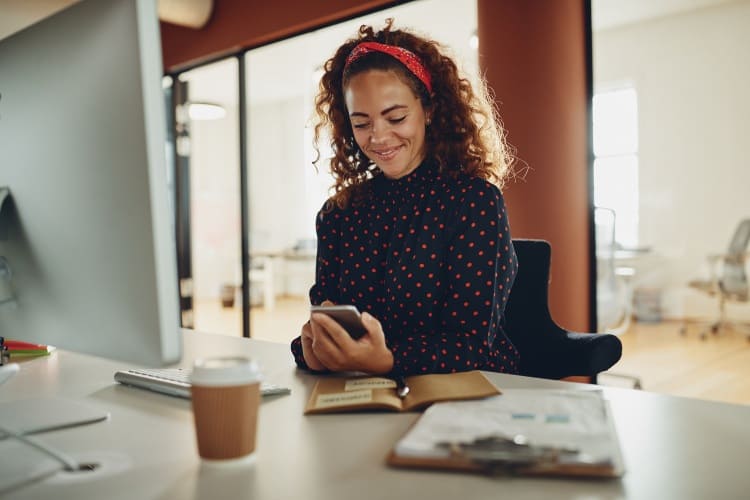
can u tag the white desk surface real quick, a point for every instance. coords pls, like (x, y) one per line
(674, 448)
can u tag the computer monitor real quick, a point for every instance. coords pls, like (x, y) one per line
(87, 229)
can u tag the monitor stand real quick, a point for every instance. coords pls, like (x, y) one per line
(34, 415)
(23, 463)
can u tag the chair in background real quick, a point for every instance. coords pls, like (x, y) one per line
(614, 297)
(261, 275)
(727, 280)
(547, 350)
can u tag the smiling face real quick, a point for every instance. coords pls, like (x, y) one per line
(388, 121)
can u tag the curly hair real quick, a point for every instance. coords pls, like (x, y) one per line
(465, 134)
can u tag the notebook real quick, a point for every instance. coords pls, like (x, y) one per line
(175, 382)
(340, 394)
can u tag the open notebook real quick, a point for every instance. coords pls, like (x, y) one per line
(175, 382)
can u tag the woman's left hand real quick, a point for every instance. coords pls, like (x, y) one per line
(334, 347)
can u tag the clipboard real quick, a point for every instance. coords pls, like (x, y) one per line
(463, 464)
(535, 432)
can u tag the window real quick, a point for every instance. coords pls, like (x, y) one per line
(615, 116)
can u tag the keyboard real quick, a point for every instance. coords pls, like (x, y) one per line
(175, 381)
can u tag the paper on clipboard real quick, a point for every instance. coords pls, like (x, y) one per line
(565, 419)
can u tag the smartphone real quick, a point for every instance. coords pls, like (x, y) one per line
(347, 316)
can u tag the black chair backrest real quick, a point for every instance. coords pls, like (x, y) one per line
(527, 309)
(547, 350)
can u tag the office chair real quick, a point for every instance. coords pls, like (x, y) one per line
(547, 350)
(613, 294)
(727, 280)
(261, 275)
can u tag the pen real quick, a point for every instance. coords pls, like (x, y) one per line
(14, 345)
(402, 390)
(28, 353)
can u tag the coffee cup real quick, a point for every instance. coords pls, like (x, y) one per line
(225, 399)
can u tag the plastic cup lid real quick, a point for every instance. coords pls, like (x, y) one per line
(225, 371)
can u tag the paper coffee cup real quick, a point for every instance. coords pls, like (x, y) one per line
(225, 400)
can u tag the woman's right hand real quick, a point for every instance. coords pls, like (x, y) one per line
(333, 347)
(308, 353)
(311, 360)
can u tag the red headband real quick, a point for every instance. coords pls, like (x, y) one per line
(405, 57)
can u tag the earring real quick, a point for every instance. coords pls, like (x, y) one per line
(428, 122)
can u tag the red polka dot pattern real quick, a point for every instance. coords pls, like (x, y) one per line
(431, 257)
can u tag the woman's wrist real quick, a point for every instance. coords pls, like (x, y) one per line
(311, 360)
(381, 365)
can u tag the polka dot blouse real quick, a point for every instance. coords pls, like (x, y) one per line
(431, 258)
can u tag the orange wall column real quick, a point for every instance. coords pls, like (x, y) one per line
(534, 55)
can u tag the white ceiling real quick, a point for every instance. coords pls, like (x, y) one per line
(17, 14)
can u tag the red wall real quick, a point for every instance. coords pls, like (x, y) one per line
(534, 56)
(238, 24)
(533, 52)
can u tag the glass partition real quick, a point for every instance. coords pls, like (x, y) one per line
(210, 139)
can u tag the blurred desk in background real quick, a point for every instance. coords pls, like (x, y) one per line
(280, 272)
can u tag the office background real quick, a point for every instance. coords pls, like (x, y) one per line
(551, 150)
(684, 59)
(691, 76)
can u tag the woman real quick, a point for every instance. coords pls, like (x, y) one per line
(416, 235)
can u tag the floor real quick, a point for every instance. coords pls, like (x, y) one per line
(717, 368)
(664, 361)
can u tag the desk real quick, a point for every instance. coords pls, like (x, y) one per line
(674, 448)
(291, 270)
